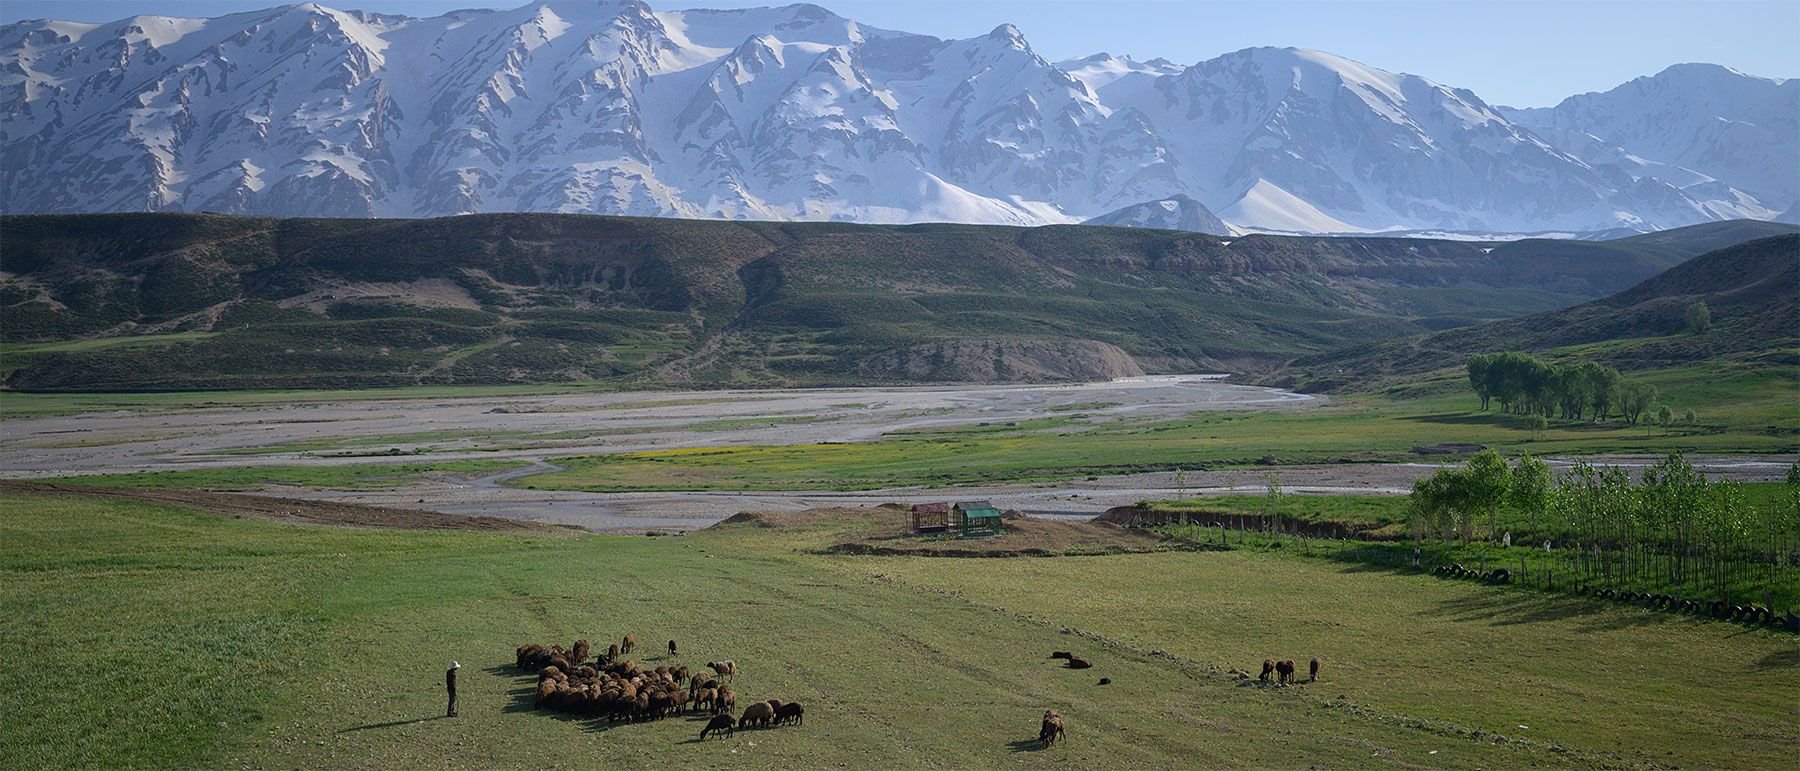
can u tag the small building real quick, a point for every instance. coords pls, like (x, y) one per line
(930, 517)
(977, 518)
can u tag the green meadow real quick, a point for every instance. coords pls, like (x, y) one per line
(146, 635)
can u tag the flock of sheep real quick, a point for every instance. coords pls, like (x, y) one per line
(620, 689)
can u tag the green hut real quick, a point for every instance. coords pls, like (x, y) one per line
(978, 518)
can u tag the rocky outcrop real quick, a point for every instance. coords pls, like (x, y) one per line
(1012, 361)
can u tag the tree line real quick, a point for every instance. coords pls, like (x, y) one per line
(1673, 529)
(1526, 385)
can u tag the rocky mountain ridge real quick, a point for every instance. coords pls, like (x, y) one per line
(796, 113)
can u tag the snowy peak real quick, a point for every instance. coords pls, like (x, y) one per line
(1730, 127)
(795, 112)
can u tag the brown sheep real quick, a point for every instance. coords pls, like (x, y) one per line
(627, 644)
(1051, 728)
(701, 680)
(790, 713)
(726, 669)
(1061, 654)
(681, 700)
(1268, 666)
(671, 648)
(1077, 662)
(580, 653)
(545, 692)
(726, 701)
(719, 723)
(1315, 669)
(758, 713)
(703, 698)
(1284, 671)
(612, 653)
(682, 674)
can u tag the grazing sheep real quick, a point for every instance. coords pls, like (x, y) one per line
(1284, 671)
(1315, 669)
(671, 647)
(580, 653)
(1077, 662)
(612, 653)
(682, 674)
(700, 680)
(1060, 654)
(1052, 728)
(719, 723)
(758, 713)
(627, 644)
(726, 669)
(545, 692)
(725, 701)
(703, 698)
(1268, 666)
(790, 713)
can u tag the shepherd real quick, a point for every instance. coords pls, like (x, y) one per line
(450, 685)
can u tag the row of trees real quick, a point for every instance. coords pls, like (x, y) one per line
(1527, 385)
(1673, 529)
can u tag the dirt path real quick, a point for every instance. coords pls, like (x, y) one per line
(298, 512)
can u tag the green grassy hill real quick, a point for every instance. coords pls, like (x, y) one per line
(1751, 289)
(186, 301)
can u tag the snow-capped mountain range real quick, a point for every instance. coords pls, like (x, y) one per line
(795, 113)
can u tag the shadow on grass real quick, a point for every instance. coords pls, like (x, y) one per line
(1503, 608)
(1786, 658)
(393, 723)
(1026, 745)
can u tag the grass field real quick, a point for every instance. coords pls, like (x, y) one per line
(1750, 411)
(142, 635)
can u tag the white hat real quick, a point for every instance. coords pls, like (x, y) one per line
(454, 665)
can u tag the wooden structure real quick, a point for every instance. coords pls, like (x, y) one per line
(930, 517)
(977, 518)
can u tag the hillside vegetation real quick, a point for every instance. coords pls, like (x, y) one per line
(184, 301)
(1750, 289)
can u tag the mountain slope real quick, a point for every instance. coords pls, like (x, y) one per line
(1177, 212)
(1748, 287)
(1733, 129)
(790, 113)
(172, 301)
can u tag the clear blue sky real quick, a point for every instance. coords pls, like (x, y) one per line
(1524, 53)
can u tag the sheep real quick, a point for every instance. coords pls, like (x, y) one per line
(790, 713)
(1284, 671)
(1077, 662)
(1315, 669)
(612, 653)
(545, 692)
(681, 699)
(671, 649)
(719, 723)
(1060, 654)
(701, 681)
(1052, 727)
(725, 701)
(580, 653)
(703, 698)
(727, 669)
(627, 644)
(759, 712)
(682, 674)
(1268, 666)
